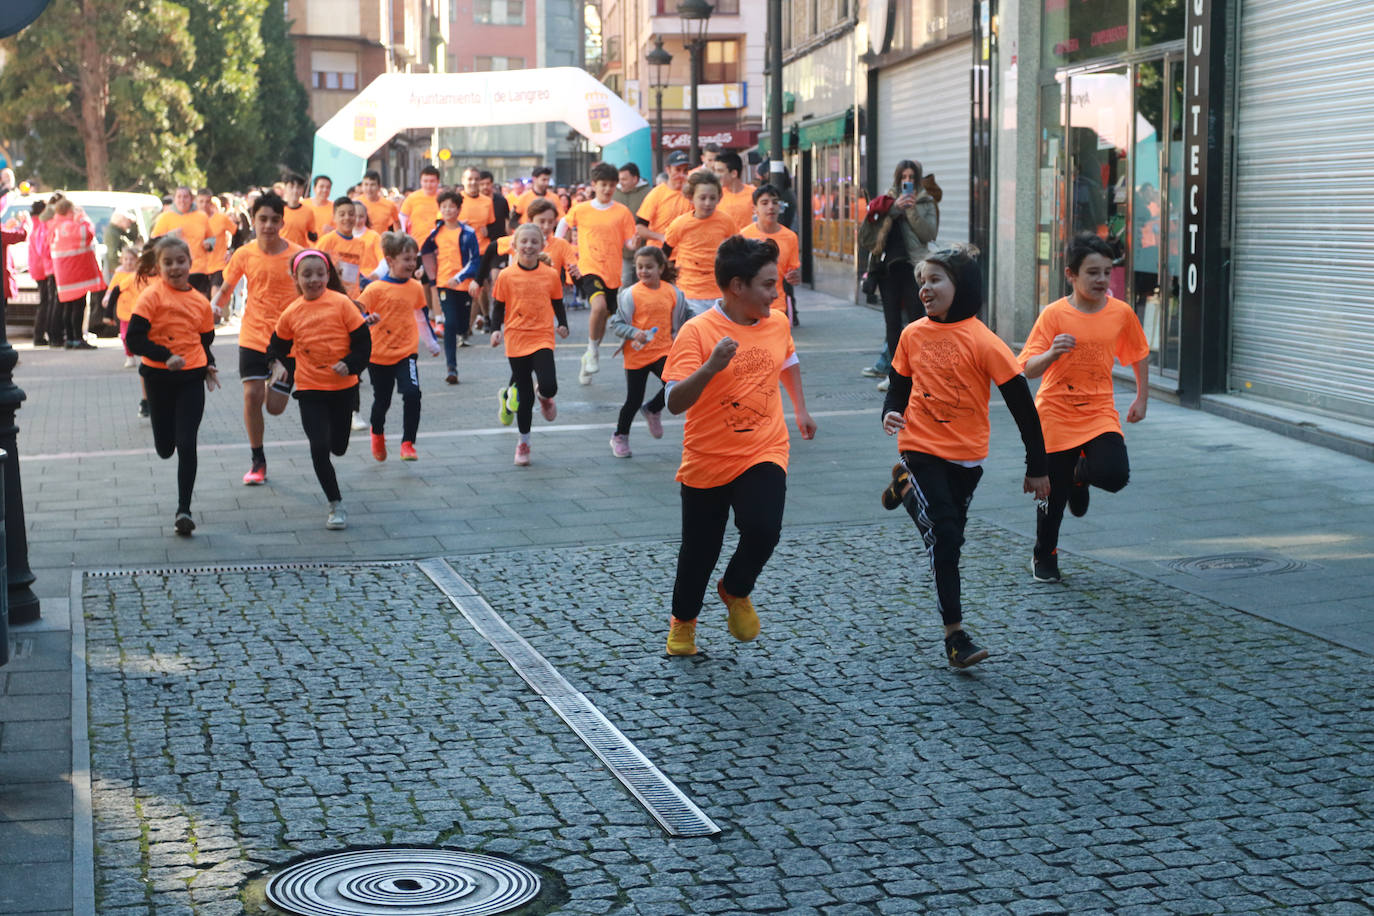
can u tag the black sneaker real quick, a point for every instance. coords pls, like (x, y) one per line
(1078, 495)
(143, 410)
(184, 525)
(961, 651)
(892, 495)
(1046, 570)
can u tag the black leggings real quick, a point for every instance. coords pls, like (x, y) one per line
(176, 403)
(901, 304)
(1108, 467)
(938, 502)
(327, 419)
(65, 322)
(636, 380)
(405, 376)
(757, 496)
(523, 371)
(47, 307)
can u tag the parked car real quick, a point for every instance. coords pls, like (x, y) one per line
(99, 207)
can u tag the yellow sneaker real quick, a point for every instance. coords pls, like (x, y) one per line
(682, 637)
(743, 622)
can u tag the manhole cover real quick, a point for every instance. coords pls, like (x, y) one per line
(1235, 565)
(403, 882)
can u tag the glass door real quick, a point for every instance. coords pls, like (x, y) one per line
(1156, 205)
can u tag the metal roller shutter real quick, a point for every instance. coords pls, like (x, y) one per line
(1302, 319)
(923, 114)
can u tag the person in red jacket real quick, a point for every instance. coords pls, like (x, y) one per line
(12, 236)
(76, 268)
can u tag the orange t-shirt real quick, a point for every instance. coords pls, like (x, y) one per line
(661, 206)
(318, 331)
(449, 257)
(522, 203)
(1075, 398)
(324, 215)
(529, 318)
(951, 368)
(694, 243)
(737, 422)
(396, 335)
(297, 224)
(130, 287)
(561, 253)
(195, 229)
(479, 213)
(381, 214)
(739, 206)
(347, 255)
(601, 237)
(177, 317)
(421, 210)
(270, 290)
(222, 231)
(372, 249)
(653, 309)
(789, 255)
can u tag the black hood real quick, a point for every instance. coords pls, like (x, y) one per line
(962, 266)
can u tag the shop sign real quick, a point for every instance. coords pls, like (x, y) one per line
(726, 139)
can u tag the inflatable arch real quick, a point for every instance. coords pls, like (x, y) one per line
(394, 102)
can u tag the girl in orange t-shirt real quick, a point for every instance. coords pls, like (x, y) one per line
(937, 406)
(121, 294)
(693, 238)
(171, 328)
(527, 298)
(331, 342)
(1073, 344)
(395, 309)
(648, 316)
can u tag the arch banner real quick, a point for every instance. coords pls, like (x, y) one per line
(394, 102)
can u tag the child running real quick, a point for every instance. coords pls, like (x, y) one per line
(1072, 345)
(527, 298)
(267, 265)
(650, 312)
(767, 205)
(172, 328)
(604, 229)
(723, 371)
(692, 239)
(121, 294)
(350, 250)
(937, 406)
(332, 345)
(452, 255)
(395, 309)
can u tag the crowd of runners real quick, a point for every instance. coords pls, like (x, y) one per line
(692, 276)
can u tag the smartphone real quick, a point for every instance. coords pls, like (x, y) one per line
(908, 187)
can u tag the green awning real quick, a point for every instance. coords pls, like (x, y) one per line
(822, 132)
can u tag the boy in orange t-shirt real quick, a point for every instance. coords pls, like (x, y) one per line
(937, 406)
(382, 215)
(322, 204)
(452, 255)
(736, 195)
(604, 229)
(692, 239)
(767, 202)
(1073, 344)
(298, 221)
(192, 226)
(527, 298)
(723, 371)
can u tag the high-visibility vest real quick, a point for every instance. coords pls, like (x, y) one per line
(73, 259)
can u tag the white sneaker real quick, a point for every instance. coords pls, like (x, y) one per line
(591, 364)
(338, 518)
(358, 422)
(130, 362)
(620, 446)
(882, 386)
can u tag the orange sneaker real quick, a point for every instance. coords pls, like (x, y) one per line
(682, 637)
(743, 620)
(408, 452)
(379, 446)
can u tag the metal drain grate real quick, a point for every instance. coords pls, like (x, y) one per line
(1236, 565)
(673, 810)
(404, 882)
(236, 567)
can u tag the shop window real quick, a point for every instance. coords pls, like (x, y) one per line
(1158, 21)
(1075, 30)
(720, 62)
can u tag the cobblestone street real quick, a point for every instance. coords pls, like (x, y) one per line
(1127, 748)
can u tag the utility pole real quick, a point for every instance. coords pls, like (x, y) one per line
(775, 164)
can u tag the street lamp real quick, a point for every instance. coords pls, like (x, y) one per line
(659, 62)
(695, 16)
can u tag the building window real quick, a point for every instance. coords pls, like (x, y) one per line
(721, 8)
(499, 12)
(334, 70)
(720, 63)
(500, 63)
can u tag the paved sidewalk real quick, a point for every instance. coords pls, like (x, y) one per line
(1289, 520)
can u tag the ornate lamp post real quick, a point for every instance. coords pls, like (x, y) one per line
(659, 61)
(695, 16)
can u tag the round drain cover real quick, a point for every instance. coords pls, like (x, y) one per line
(403, 882)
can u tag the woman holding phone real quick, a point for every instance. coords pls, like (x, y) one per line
(903, 240)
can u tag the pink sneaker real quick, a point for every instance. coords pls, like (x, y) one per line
(522, 454)
(548, 408)
(655, 421)
(620, 446)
